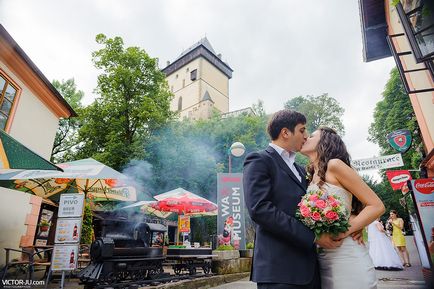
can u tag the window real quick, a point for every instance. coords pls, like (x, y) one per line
(417, 17)
(171, 88)
(180, 103)
(193, 75)
(183, 83)
(8, 92)
(187, 70)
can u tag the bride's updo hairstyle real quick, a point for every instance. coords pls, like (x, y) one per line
(331, 146)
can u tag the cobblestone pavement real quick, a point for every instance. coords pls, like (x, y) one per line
(409, 278)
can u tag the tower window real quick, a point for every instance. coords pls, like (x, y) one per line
(183, 83)
(180, 103)
(193, 75)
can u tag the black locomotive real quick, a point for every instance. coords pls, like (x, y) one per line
(123, 251)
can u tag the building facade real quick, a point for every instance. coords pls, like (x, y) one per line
(199, 80)
(405, 30)
(30, 109)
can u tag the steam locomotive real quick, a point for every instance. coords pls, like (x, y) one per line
(123, 251)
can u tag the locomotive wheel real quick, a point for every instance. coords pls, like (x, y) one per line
(206, 269)
(192, 270)
(177, 270)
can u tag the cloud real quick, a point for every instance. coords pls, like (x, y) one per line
(278, 49)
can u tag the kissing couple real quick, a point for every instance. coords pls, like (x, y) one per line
(285, 252)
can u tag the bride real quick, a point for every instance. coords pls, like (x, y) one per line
(348, 266)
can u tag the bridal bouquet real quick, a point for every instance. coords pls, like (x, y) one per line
(323, 213)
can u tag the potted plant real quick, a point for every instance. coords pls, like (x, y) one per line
(248, 253)
(44, 225)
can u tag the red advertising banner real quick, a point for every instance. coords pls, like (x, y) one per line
(398, 178)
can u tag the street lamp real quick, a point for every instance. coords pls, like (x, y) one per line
(237, 149)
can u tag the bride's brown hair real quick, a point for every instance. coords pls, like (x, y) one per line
(331, 146)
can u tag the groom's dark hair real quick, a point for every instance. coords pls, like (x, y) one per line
(284, 118)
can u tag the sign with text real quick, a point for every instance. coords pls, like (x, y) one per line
(230, 220)
(398, 178)
(184, 224)
(64, 258)
(71, 205)
(378, 163)
(423, 194)
(68, 230)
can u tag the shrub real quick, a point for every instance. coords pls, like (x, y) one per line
(250, 245)
(224, 248)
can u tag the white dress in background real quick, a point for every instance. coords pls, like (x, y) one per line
(382, 252)
(349, 266)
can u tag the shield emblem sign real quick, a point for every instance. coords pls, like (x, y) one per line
(400, 140)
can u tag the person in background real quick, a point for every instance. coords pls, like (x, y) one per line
(398, 238)
(381, 249)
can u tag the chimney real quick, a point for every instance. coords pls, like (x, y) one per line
(219, 56)
(167, 63)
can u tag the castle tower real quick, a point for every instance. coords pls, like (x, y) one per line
(199, 80)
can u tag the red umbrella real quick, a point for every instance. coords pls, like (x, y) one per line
(184, 202)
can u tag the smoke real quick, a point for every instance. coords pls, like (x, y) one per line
(140, 174)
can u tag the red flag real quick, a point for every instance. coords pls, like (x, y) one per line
(398, 178)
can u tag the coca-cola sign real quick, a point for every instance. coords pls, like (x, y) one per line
(425, 186)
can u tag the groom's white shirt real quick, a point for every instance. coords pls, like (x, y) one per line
(288, 158)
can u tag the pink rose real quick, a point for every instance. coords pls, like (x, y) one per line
(305, 212)
(334, 204)
(331, 199)
(332, 215)
(313, 197)
(320, 204)
(316, 216)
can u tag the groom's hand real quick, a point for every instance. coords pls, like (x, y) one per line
(325, 241)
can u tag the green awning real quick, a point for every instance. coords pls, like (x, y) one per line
(14, 155)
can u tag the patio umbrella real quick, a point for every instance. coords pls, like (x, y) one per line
(89, 176)
(148, 209)
(14, 155)
(183, 202)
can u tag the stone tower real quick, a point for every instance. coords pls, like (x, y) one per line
(199, 80)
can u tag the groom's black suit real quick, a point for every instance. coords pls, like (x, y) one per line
(284, 248)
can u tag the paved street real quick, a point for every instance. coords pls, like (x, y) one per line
(409, 278)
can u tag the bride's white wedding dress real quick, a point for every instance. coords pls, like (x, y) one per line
(350, 265)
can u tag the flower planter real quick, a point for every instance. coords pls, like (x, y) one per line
(44, 228)
(248, 253)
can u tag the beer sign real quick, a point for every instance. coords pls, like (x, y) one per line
(68, 230)
(400, 140)
(71, 205)
(64, 258)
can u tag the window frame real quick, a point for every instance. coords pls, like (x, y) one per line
(9, 81)
(409, 31)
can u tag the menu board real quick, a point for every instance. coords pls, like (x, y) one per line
(68, 230)
(71, 205)
(64, 257)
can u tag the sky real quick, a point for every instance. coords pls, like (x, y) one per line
(278, 49)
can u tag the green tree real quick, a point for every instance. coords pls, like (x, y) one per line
(319, 110)
(67, 133)
(394, 112)
(134, 101)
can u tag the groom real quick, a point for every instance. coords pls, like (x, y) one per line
(285, 250)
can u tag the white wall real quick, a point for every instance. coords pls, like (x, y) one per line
(34, 125)
(14, 207)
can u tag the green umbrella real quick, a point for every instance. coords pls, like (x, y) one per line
(14, 155)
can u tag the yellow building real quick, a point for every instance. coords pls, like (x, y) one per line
(199, 80)
(405, 30)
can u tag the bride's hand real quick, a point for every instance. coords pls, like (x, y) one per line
(357, 235)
